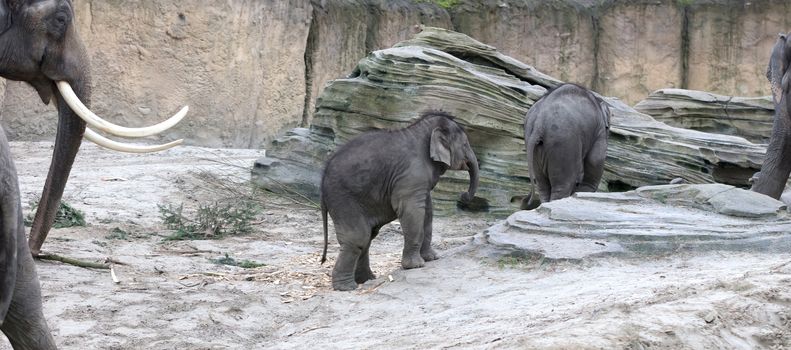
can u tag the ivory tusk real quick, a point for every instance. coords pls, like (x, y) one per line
(100, 140)
(100, 124)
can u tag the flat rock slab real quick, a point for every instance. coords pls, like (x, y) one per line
(649, 220)
(748, 117)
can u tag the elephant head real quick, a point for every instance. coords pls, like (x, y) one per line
(39, 45)
(449, 145)
(777, 67)
(772, 178)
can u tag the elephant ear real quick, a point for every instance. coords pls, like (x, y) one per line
(605, 112)
(438, 147)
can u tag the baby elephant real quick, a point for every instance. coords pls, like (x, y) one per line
(566, 140)
(21, 318)
(387, 174)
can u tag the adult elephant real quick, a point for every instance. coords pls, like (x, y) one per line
(772, 178)
(21, 318)
(39, 45)
(566, 135)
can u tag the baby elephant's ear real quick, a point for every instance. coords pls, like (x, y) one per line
(438, 147)
(605, 113)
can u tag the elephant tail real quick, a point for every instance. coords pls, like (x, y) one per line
(531, 202)
(326, 239)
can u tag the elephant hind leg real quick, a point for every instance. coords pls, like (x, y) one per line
(426, 252)
(354, 239)
(363, 270)
(564, 171)
(593, 167)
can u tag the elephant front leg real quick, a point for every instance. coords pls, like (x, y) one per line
(24, 325)
(412, 216)
(426, 252)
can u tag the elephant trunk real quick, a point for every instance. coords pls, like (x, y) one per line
(472, 167)
(67, 143)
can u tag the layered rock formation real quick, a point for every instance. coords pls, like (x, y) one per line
(252, 69)
(748, 117)
(490, 94)
(650, 220)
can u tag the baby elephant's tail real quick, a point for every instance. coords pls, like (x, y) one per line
(324, 218)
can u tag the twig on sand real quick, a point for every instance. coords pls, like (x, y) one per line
(113, 276)
(307, 330)
(109, 260)
(374, 288)
(72, 261)
(187, 252)
(777, 268)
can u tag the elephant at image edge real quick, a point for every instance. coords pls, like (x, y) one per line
(384, 175)
(772, 178)
(39, 45)
(566, 134)
(21, 317)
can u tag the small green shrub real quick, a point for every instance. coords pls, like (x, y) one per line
(245, 264)
(519, 261)
(446, 4)
(211, 221)
(117, 233)
(121, 234)
(67, 215)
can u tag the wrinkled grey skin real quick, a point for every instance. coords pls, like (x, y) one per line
(39, 45)
(771, 180)
(384, 175)
(21, 318)
(566, 135)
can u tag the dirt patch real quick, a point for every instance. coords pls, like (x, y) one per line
(172, 294)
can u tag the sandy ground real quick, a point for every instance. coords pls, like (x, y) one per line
(172, 296)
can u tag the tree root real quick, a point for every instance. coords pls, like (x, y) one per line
(72, 261)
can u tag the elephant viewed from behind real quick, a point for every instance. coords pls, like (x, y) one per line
(384, 175)
(566, 135)
(772, 178)
(21, 317)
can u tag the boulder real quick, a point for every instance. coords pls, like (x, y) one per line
(490, 93)
(650, 220)
(748, 117)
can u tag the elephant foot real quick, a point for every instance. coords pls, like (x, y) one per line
(429, 254)
(412, 262)
(344, 285)
(361, 277)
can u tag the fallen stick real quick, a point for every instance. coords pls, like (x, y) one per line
(113, 276)
(109, 260)
(188, 251)
(72, 261)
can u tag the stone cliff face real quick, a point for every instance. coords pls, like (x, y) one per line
(251, 69)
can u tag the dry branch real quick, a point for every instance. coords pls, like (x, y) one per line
(72, 261)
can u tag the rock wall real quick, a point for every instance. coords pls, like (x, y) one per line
(251, 69)
(489, 93)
